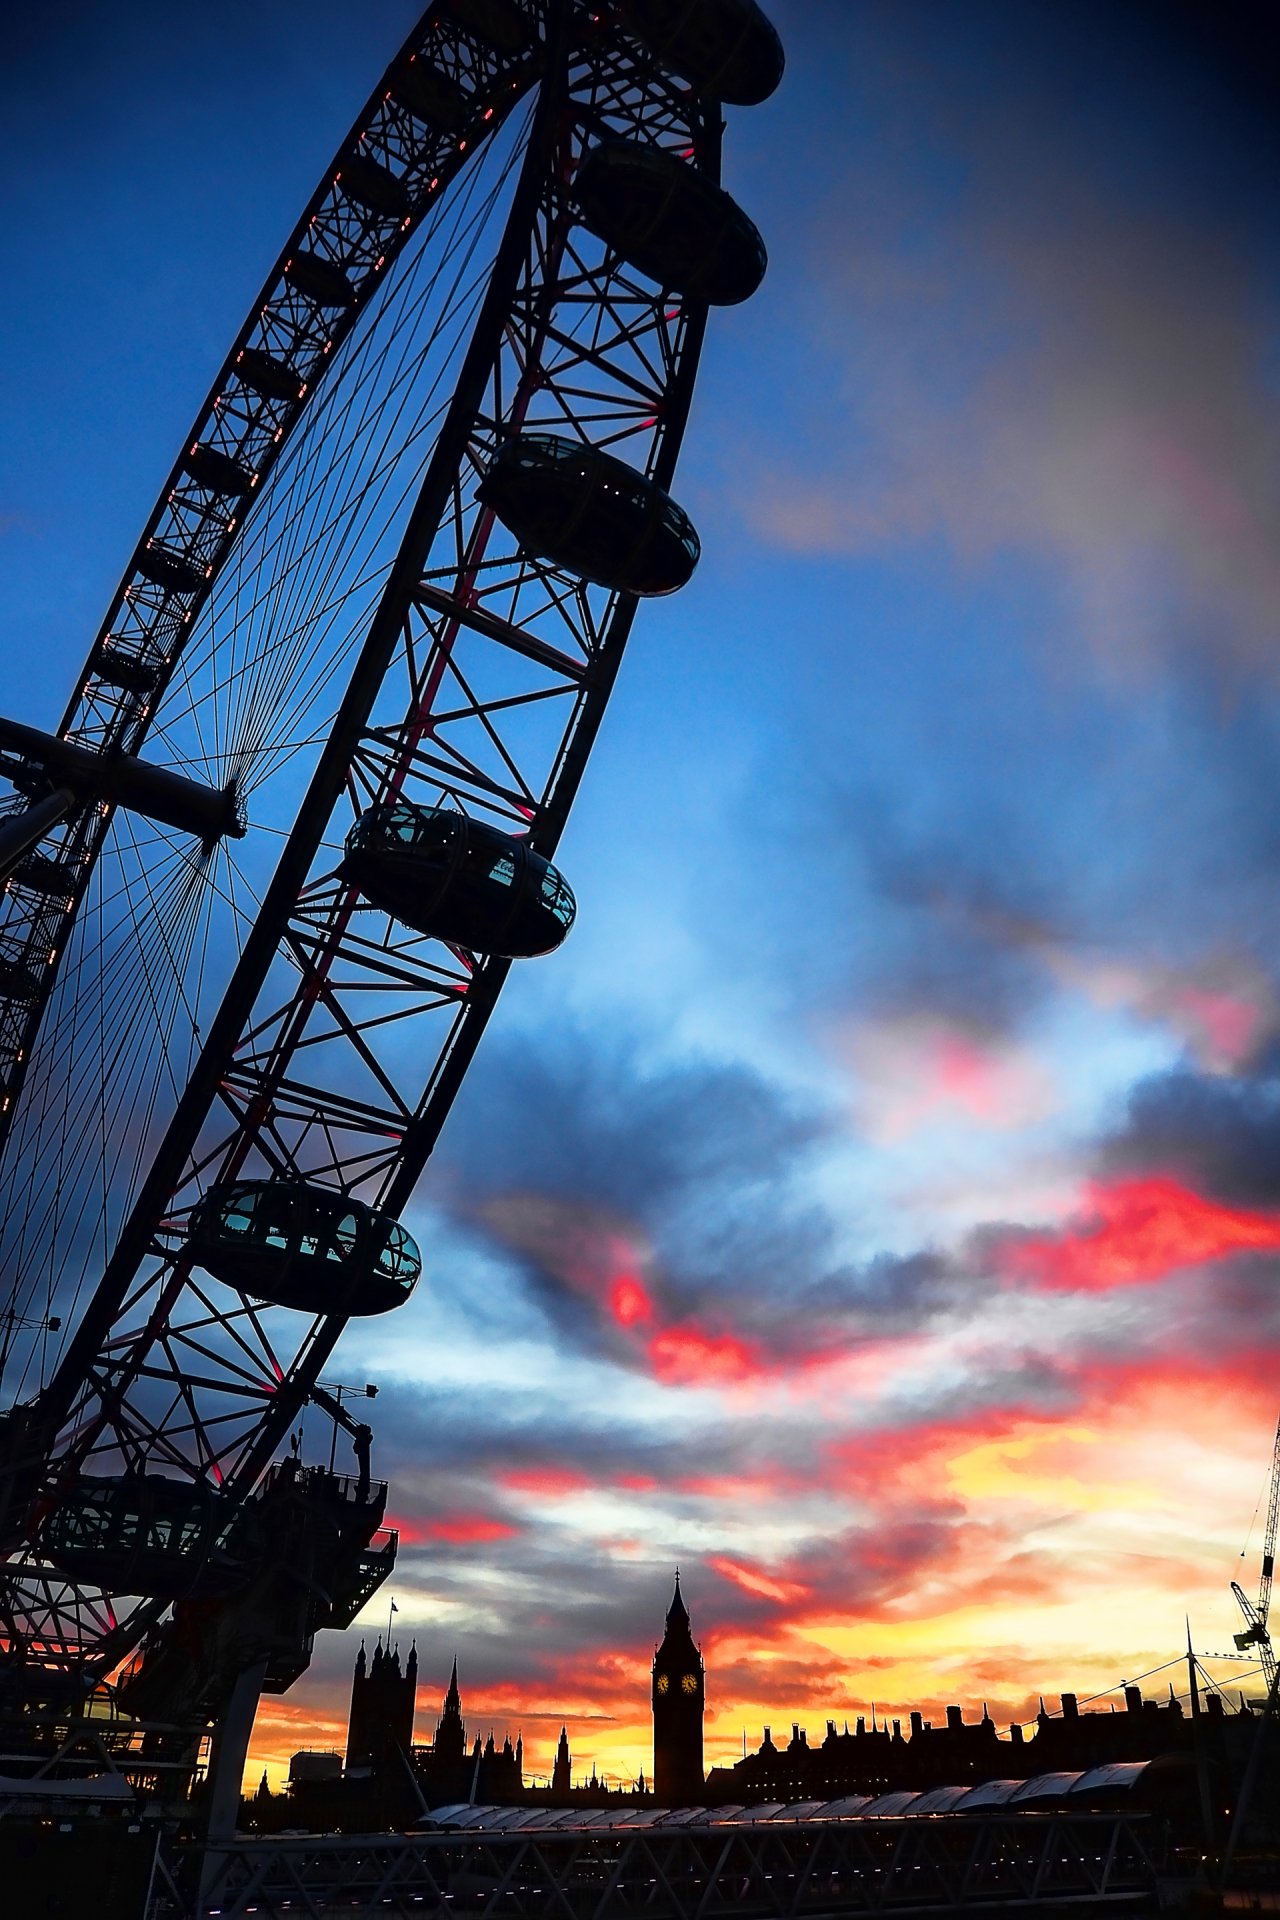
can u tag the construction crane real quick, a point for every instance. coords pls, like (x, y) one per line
(1256, 1633)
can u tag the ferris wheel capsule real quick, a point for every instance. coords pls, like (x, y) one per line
(727, 49)
(670, 222)
(459, 879)
(295, 1244)
(592, 514)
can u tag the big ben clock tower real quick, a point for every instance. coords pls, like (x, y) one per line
(679, 1696)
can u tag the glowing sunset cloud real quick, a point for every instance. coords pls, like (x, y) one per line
(687, 1356)
(1140, 1230)
(457, 1529)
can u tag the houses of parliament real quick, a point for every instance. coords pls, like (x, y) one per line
(386, 1779)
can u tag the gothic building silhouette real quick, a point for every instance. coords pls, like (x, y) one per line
(679, 1699)
(388, 1780)
(382, 1702)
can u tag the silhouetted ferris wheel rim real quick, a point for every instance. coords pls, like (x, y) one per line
(509, 599)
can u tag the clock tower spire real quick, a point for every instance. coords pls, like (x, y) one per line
(679, 1698)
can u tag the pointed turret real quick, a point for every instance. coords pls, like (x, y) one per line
(677, 1612)
(562, 1772)
(451, 1734)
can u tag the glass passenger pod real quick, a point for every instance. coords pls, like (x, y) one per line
(459, 879)
(301, 1246)
(144, 1534)
(726, 49)
(591, 514)
(670, 222)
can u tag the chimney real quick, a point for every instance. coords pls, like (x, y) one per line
(955, 1718)
(1133, 1699)
(1015, 1734)
(1070, 1709)
(916, 1725)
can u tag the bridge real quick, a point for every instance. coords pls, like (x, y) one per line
(999, 1862)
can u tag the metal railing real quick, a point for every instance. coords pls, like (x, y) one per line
(1006, 1863)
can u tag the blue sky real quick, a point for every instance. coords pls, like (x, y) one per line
(926, 865)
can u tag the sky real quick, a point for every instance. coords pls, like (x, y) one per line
(874, 1209)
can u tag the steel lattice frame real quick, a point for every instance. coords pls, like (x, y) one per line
(342, 1037)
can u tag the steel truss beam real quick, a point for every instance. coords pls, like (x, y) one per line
(342, 1037)
(1007, 1863)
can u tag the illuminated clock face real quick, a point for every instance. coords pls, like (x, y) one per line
(663, 1683)
(690, 1683)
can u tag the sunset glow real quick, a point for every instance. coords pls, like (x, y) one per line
(873, 1207)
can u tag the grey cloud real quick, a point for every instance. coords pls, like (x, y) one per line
(1068, 361)
(1219, 1134)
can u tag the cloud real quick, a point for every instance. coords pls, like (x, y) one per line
(921, 1070)
(1221, 1135)
(1045, 358)
(1137, 1231)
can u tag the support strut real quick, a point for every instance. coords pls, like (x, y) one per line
(35, 761)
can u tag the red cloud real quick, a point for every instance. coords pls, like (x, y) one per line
(686, 1356)
(1141, 1230)
(547, 1480)
(460, 1529)
(629, 1302)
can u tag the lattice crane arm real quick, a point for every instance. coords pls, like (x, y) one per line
(1269, 1538)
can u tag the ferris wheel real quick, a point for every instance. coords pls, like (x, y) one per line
(266, 881)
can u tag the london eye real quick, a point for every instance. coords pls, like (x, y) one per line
(265, 882)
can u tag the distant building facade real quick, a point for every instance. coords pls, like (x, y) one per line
(679, 1701)
(882, 1759)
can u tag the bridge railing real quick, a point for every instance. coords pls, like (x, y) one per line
(944, 1864)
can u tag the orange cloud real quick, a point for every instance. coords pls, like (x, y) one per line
(1141, 1230)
